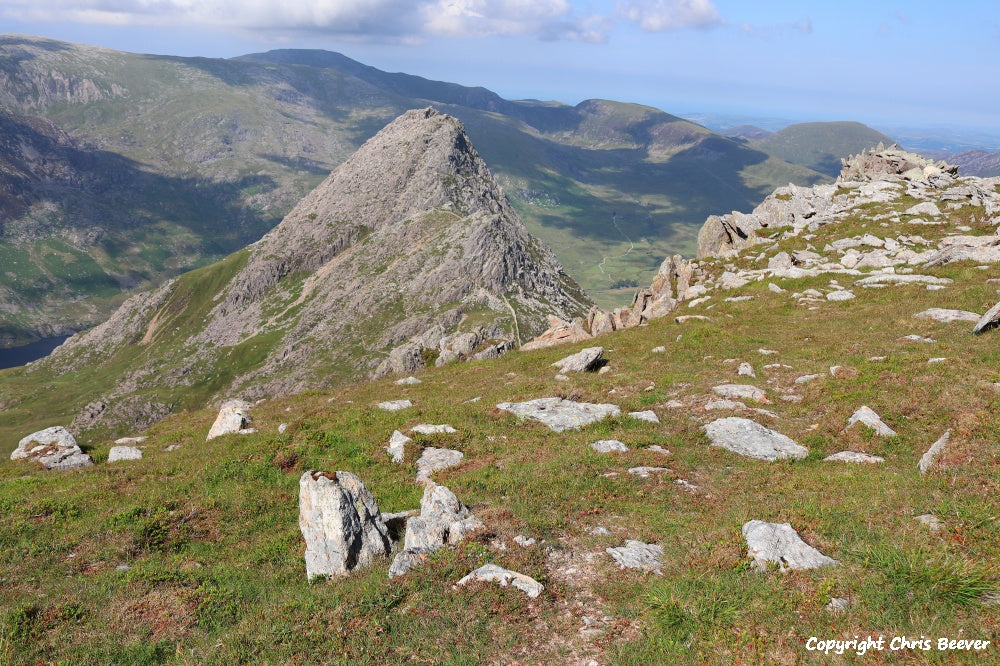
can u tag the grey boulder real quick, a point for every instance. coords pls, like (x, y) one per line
(124, 453)
(778, 543)
(504, 577)
(638, 555)
(559, 414)
(233, 418)
(585, 360)
(54, 448)
(341, 524)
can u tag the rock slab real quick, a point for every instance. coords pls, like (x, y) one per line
(397, 446)
(559, 414)
(233, 418)
(54, 448)
(638, 555)
(341, 524)
(491, 573)
(778, 543)
(927, 460)
(868, 417)
(124, 453)
(585, 360)
(433, 460)
(749, 438)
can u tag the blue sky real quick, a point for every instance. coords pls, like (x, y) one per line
(884, 62)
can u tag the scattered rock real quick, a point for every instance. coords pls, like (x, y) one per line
(804, 379)
(395, 405)
(524, 542)
(397, 446)
(868, 417)
(659, 350)
(129, 441)
(429, 429)
(233, 418)
(645, 472)
(656, 448)
(54, 448)
(172, 447)
(989, 320)
(749, 438)
(686, 318)
(648, 415)
(740, 392)
(599, 531)
(778, 543)
(837, 605)
(282, 427)
(687, 485)
(725, 404)
(947, 316)
(433, 460)
(559, 414)
(917, 338)
(609, 446)
(745, 370)
(927, 460)
(491, 573)
(923, 208)
(854, 457)
(407, 381)
(638, 555)
(124, 453)
(341, 524)
(841, 295)
(937, 359)
(443, 520)
(932, 522)
(585, 360)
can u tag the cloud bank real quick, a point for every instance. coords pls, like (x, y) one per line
(397, 20)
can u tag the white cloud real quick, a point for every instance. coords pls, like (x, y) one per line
(660, 15)
(375, 19)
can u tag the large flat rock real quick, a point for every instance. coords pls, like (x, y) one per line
(751, 439)
(559, 414)
(778, 543)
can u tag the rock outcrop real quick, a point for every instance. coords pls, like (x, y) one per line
(233, 418)
(53, 448)
(341, 524)
(393, 257)
(780, 545)
(443, 521)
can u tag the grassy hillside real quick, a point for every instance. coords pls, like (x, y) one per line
(193, 555)
(820, 146)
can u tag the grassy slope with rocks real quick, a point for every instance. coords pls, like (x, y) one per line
(194, 554)
(208, 154)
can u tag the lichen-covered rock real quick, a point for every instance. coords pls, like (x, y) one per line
(54, 448)
(779, 544)
(233, 418)
(397, 446)
(341, 524)
(867, 416)
(560, 414)
(749, 438)
(491, 573)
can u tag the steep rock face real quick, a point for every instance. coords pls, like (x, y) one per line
(408, 252)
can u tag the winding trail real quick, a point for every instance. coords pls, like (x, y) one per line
(631, 246)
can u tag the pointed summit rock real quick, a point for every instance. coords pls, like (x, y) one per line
(376, 271)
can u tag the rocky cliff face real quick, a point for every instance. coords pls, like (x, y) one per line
(406, 254)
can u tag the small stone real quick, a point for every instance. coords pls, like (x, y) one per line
(745, 370)
(648, 415)
(917, 338)
(599, 531)
(659, 350)
(927, 460)
(645, 472)
(609, 446)
(841, 295)
(854, 457)
(524, 542)
(429, 429)
(740, 392)
(407, 381)
(806, 378)
(868, 417)
(395, 405)
(837, 605)
(282, 428)
(128, 441)
(124, 453)
(561, 378)
(604, 370)
(775, 288)
(779, 544)
(767, 352)
(638, 555)
(505, 577)
(937, 359)
(123, 568)
(656, 448)
(172, 447)
(687, 485)
(932, 522)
